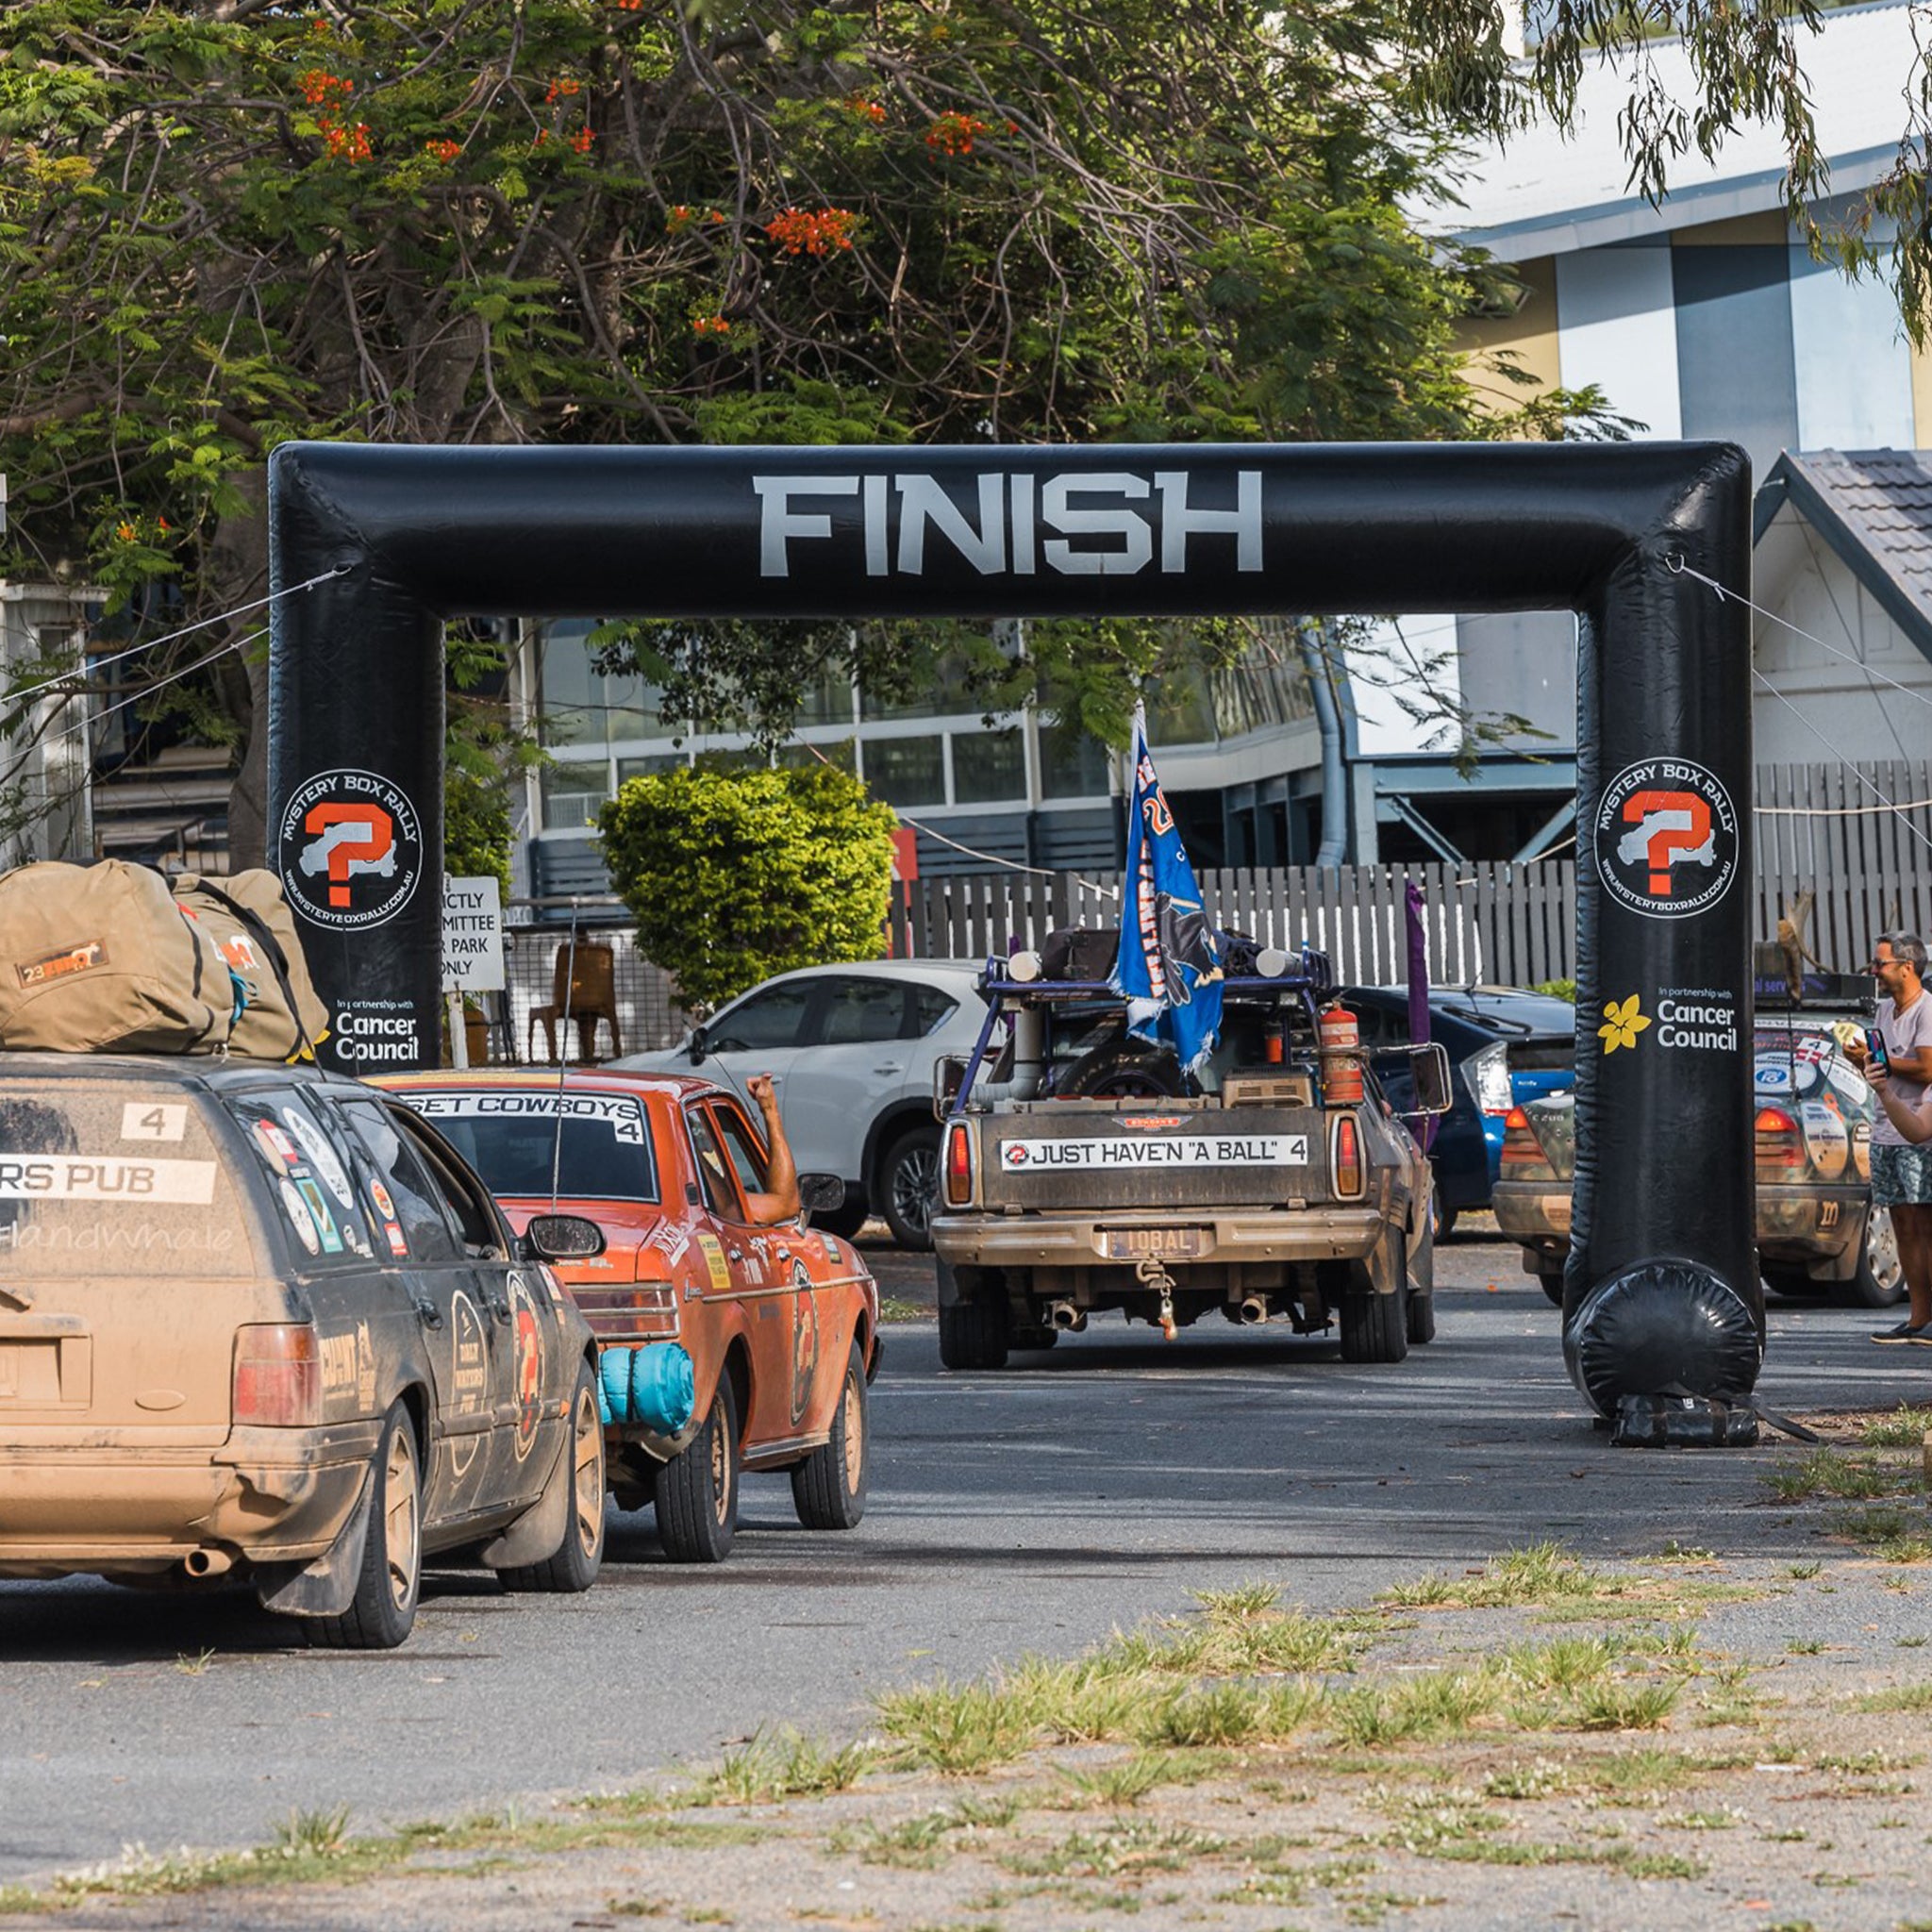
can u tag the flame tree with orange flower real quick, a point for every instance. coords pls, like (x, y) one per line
(226, 223)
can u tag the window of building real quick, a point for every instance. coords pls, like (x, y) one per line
(906, 771)
(1072, 763)
(573, 794)
(988, 766)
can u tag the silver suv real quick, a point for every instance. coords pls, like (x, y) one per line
(850, 1050)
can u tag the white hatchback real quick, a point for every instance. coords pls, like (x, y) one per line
(850, 1050)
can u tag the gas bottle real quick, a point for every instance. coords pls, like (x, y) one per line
(1342, 1066)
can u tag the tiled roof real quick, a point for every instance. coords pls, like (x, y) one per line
(1552, 193)
(1874, 507)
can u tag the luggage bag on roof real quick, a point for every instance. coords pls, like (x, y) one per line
(99, 959)
(255, 932)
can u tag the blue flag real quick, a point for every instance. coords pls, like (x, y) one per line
(1169, 965)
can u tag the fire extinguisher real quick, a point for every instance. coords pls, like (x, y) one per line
(1342, 1066)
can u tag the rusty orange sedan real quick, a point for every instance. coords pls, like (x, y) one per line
(723, 1346)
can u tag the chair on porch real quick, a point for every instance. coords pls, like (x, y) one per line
(583, 987)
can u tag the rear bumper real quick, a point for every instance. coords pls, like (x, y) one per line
(1532, 1212)
(265, 1496)
(1051, 1242)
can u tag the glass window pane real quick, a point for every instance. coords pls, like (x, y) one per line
(572, 794)
(934, 1009)
(649, 767)
(569, 701)
(600, 1149)
(1071, 764)
(1178, 711)
(988, 765)
(747, 1157)
(425, 1221)
(828, 700)
(858, 1009)
(719, 1195)
(771, 1017)
(938, 694)
(800, 756)
(906, 771)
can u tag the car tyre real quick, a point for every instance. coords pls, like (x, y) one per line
(573, 1566)
(1551, 1282)
(696, 1491)
(828, 1487)
(909, 1187)
(973, 1335)
(1881, 1282)
(390, 1584)
(1375, 1327)
(1441, 1219)
(1123, 1070)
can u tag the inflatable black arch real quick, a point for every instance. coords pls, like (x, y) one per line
(1662, 1303)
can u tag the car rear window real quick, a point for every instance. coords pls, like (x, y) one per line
(106, 1178)
(511, 1137)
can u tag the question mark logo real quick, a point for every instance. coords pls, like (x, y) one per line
(350, 849)
(1667, 823)
(1647, 835)
(359, 835)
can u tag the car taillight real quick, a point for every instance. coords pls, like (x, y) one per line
(1347, 1161)
(1487, 1075)
(1779, 1141)
(278, 1376)
(1520, 1144)
(958, 1165)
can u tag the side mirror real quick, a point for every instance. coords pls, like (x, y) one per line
(948, 1075)
(1429, 1068)
(697, 1045)
(562, 1237)
(819, 1193)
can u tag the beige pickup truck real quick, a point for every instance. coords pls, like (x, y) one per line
(1081, 1172)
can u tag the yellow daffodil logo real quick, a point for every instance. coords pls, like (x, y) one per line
(1622, 1025)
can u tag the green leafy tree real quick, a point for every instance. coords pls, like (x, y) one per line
(224, 222)
(735, 875)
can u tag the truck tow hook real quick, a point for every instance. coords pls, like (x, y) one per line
(1155, 1274)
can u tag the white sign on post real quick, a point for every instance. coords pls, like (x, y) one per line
(472, 935)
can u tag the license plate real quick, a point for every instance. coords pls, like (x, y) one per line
(1170, 1243)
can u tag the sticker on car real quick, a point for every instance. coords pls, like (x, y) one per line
(1161, 1150)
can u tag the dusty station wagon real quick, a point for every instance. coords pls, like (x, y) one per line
(724, 1346)
(258, 1323)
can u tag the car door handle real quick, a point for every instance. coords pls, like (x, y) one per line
(891, 1067)
(428, 1314)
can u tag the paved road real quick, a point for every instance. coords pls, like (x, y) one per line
(1032, 1509)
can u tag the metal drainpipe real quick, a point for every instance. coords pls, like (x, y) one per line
(1315, 656)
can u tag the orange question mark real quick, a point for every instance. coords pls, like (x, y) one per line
(377, 836)
(1686, 828)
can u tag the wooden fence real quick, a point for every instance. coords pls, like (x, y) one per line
(1858, 839)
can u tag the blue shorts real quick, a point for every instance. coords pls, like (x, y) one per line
(1902, 1177)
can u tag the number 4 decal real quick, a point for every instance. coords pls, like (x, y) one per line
(141, 1123)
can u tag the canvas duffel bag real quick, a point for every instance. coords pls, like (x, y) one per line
(254, 931)
(99, 959)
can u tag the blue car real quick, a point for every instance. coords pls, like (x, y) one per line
(1506, 1046)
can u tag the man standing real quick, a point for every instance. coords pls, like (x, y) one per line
(1901, 1173)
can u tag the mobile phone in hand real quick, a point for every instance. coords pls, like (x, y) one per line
(1875, 1050)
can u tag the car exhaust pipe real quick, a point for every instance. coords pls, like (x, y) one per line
(1254, 1309)
(1066, 1316)
(207, 1562)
